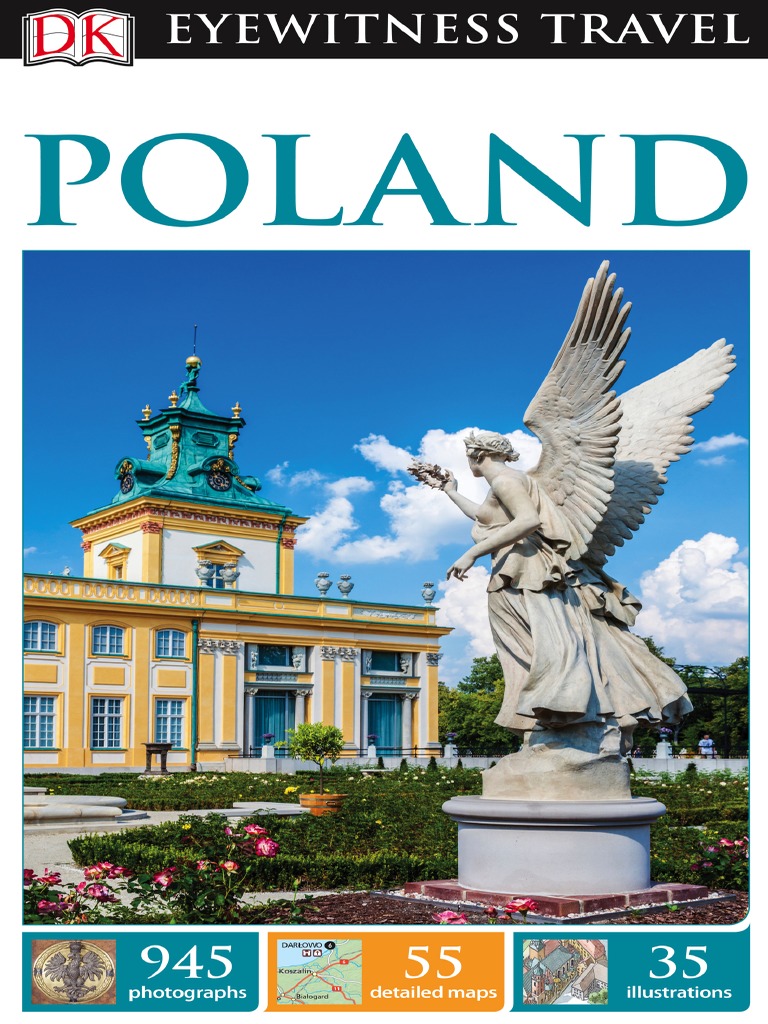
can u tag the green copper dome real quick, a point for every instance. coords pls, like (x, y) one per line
(190, 455)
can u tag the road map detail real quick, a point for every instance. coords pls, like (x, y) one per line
(319, 972)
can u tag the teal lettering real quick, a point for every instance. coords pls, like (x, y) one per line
(425, 187)
(285, 184)
(501, 153)
(235, 170)
(645, 178)
(50, 173)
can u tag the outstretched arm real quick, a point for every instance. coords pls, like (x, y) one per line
(469, 508)
(513, 495)
(443, 480)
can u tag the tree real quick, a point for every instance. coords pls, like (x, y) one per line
(471, 708)
(483, 677)
(313, 741)
(720, 698)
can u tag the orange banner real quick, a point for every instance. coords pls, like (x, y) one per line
(404, 971)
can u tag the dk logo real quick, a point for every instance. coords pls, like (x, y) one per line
(94, 35)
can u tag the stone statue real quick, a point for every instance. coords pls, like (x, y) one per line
(577, 681)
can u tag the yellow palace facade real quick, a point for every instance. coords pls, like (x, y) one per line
(184, 629)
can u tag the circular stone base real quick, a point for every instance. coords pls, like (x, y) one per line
(553, 847)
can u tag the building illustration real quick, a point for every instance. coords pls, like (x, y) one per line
(184, 628)
(564, 970)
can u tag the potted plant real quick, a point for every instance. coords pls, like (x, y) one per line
(268, 749)
(313, 741)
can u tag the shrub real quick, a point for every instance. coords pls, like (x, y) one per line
(313, 741)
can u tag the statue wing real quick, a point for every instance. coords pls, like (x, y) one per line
(576, 414)
(656, 429)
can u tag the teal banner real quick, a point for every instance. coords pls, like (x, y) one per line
(647, 971)
(142, 971)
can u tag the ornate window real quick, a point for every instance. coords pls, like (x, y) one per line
(264, 657)
(217, 565)
(116, 557)
(169, 721)
(170, 643)
(40, 636)
(388, 663)
(106, 723)
(39, 722)
(108, 640)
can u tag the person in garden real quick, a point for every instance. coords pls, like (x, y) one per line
(707, 746)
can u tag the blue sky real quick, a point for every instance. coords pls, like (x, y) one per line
(345, 361)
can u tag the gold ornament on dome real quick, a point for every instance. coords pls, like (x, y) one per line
(175, 430)
(146, 411)
(232, 438)
(236, 411)
(173, 398)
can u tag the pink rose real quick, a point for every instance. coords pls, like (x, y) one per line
(101, 893)
(229, 866)
(54, 878)
(449, 917)
(266, 847)
(95, 871)
(254, 830)
(164, 878)
(47, 907)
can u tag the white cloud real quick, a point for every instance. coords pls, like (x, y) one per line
(716, 460)
(327, 528)
(716, 444)
(464, 605)
(29, 551)
(420, 520)
(277, 474)
(349, 485)
(304, 478)
(695, 602)
(384, 455)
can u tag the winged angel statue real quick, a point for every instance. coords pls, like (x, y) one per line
(577, 681)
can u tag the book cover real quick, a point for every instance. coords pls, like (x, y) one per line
(268, 272)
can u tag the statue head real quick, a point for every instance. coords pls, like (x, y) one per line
(488, 444)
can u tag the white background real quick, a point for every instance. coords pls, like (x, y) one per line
(355, 112)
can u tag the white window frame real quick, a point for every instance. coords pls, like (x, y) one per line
(169, 713)
(108, 712)
(173, 636)
(38, 713)
(40, 641)
(114, 637)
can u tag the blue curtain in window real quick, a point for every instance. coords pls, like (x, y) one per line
(273, 713)
(385, 716)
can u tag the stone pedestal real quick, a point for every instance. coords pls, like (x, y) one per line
(663, 749)
(554, 847)
(161, 749)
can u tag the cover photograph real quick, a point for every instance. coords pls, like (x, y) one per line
(381, 399)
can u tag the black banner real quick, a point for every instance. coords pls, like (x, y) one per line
(474, 31)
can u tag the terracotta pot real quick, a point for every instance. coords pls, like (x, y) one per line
(322, 803)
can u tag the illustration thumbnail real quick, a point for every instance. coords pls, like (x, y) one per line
(565, 971)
